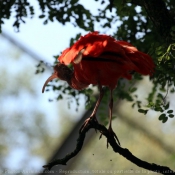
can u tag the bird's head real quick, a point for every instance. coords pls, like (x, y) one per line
(62, 72)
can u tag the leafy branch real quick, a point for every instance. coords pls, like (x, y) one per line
(163, 80)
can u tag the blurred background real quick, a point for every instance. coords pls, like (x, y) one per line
(35, 127)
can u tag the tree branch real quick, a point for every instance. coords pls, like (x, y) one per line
(159, 15)
(116, 148)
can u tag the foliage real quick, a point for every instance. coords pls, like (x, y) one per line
(151, 30)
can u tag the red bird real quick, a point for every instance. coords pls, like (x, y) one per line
(100, 60)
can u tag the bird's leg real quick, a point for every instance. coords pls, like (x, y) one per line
(111, 132)
(93, 115)
(98, 102)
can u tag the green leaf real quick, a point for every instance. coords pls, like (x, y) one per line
(162, 116)
(172, 33)
(173, 28)
(143, 111)
(45, 22)
(167, 106)
(158, 108)
(60, 97)
(133, 89)
(172, 90)
(133, 105)
(170, 111)
(138, 104)
(159, 52)
(151, 104)
(171, 115)
(164, 119)
(41, 16)
(160, 95)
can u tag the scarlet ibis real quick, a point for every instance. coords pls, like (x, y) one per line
(101, 60)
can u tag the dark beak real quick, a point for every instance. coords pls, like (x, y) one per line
(49, 79)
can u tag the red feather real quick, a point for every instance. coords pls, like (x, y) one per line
(104, 61)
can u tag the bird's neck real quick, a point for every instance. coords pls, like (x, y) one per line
(76, 84)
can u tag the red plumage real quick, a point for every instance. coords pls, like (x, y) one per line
(105, 60)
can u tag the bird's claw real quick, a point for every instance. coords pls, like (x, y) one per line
(112, 134)
(91, 120)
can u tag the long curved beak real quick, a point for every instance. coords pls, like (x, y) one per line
(49, 79)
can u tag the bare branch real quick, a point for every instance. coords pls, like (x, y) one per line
(116, 148)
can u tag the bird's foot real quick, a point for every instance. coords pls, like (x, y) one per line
(112, 134)
(91, 120)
